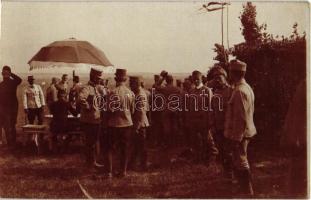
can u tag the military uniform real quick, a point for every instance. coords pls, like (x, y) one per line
(201, 138)
(240, 127)
(90, 116)
(169, 117)
(221, 95)
(140, 125)
(9, 107)
(120, 109)
(34, 102)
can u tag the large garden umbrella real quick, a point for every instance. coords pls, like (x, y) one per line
(69, 53)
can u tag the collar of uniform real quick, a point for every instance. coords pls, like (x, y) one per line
(240, 82)
(32, 86)
(91, 83)
(120, 84)
(199, 86)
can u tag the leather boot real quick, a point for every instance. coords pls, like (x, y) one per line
(245, 182)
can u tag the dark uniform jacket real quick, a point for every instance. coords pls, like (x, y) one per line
(199, 106)
(8, 99)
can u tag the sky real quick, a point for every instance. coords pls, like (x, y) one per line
(139, 36)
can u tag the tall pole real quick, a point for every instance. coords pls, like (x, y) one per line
(228, 26)
(222, 24)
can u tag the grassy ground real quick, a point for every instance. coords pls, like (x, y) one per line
(26, 175)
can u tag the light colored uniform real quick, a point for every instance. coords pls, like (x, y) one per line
(140, 119)
(239, 124)
(121, 106)
(90, 113)
(33, 97)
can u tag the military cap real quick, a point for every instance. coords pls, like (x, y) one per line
(137, 79)
(6, 68)
(169, 78)
(120, 72)
(96, 71)
(156, 76)
(237, 65)
(76, 78)
(196, 73)
(218, 70)
(30, 77)
(163, 73)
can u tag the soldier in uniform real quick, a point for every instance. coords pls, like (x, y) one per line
(156, 115)
(199, 114)
(34, 101)
(120, 110)
(63, 84)
(51, 93)
(140, 123)
(90, 113)
(156, 80)
(9, 104)
(239, 124)
(221, 94)
(170, 116)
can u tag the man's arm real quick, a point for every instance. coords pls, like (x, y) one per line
(17, 80)
(239, 115)
(82, 98)
(41, 96)
(25, 100)
(140, 110)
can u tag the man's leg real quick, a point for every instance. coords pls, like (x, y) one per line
(142, 148)
(40, 115)
(211, 149)
(31, 114)
(91, 131)
(125, 141)
(242, 168)
(110, 137)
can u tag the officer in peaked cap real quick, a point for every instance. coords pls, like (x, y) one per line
(202, 140)
(120, 122)
(91, 113)
(239, 123)
(140, 123)
(221, 94)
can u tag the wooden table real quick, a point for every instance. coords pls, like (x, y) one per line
(38, 132)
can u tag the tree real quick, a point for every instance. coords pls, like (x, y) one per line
(250, 28)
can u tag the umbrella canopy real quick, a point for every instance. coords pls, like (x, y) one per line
(68, 53)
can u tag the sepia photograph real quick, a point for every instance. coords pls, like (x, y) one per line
(168, 99)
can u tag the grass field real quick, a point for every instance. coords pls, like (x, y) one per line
(24, 174)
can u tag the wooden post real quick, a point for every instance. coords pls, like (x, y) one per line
(222, 24)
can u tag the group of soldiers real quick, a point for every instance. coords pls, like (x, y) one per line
(222, 131)
(124, 117)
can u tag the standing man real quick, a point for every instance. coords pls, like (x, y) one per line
(199, 118)
(239, 124)
(63, 84)
(74, 92)
(120, 107)
(221, 95)
(170, 117)
(9, 104)
(34, 101)
(90, 113)
(140, 123)
(51, 93)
